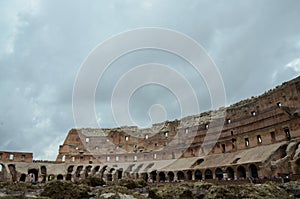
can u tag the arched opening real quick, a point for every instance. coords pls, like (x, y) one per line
(102, 171)
(189, 175)
(87, 170)
(171, 176)
(33, 175)
(44, 173)
(13, 172)
(145, 176)
(198, 175)
(23, 177)
(95, 170)
(51, 177)
(297, 170)
(153, 175)
(180, 175)
(60, 177)
(230, 173)
(1, 168)
(162, 177)
(208, 174)
(241, 172)
(70, 169)
(120, 173)
(109, 177)
(78, 171)
(69, 173)
(219, 174)
(69, 177)
(253, 170)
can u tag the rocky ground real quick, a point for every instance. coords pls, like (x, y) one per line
(94, 188)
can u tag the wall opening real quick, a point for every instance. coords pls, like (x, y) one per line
(233, 141)
(154, 156)
(120, 173)
(153, 175)
(166, 134)
(162, 177)
(173, 155)
(273, 138)
(78, 170)
(33, 175)
(208, 174)
(253, 170)
(11, 157)
(223, 148)
(63, 158)
(60, 177)
(109, 177)
(186, 130)
(95, 170)
(1, 167)
(180, 175)
(44, 173)
(171, 176)
(88, 169)
(297, 170)
(259, 140)
(230, 173)
(279, 105)
(253, 113)
(145, 177)
(219, 174)
(206, 126)
(189, 175)
(247, 142)
(69, 177)
(241, 172)
(23, 177)
(51, 177)
(198, 175)
(287, 133)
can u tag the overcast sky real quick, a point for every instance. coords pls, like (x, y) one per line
(254, 43)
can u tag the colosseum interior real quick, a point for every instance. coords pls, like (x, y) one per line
(253, 139)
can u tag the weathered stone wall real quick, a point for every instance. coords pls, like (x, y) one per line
(271, 119)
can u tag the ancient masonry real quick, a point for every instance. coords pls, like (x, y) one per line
(259, 137)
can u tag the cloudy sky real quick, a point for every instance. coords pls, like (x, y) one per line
(254, 43)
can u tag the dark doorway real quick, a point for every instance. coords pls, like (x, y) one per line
(69, 177)
(253, 170)
(241, 172)
(145, 176)
(189, 175)
(230, 173)
(34, 174)
(208, 174)
(120, 173)
(23, 177)
(171, 176)
(60, 177)
(153, 175)
(180, 175)
(162, 177)
(198, 175)
(219, 174)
